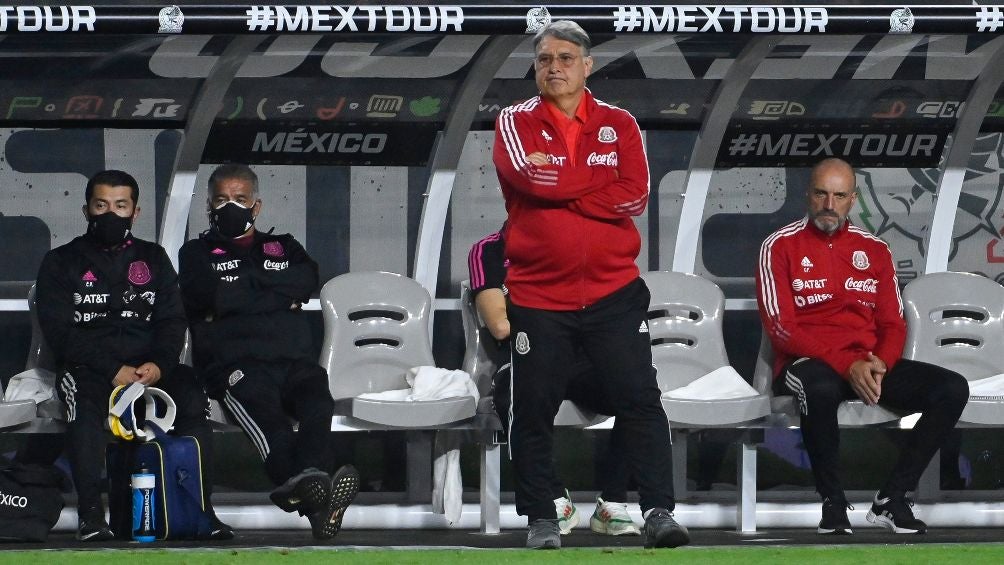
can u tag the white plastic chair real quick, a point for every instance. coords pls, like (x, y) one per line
(685, 326)
(956, 320)
(376, 327)
(48, 415)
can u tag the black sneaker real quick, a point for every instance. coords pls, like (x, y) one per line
(661, 530)
(94, 528)
(834, 519)
(896, 514)
(325, 523)
(544, 534)
(219, 531)
(305, 493)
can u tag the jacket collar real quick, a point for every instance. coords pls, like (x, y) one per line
(588, 103)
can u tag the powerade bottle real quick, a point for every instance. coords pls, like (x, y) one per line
(143, 528)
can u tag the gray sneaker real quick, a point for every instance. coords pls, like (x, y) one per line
(544, 534)
(661, 530)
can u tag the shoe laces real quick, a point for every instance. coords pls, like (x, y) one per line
(837, 503)
(901, 506)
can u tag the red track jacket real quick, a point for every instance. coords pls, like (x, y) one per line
(570, 239)
(831, 298)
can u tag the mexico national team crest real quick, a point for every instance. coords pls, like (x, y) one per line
(537, 19)
(139, 273)
(171, 20)
(273, 249)
(522, 343)
(607, 135)
(860, 260)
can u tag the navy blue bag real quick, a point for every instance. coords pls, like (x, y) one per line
(176, 462)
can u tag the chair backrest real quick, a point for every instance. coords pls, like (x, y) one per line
(39, 354)
(376, 327)
(685, 326)
(480, 347)
(956, 320)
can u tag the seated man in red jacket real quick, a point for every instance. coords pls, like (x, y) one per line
(573, 172)
(829, 300)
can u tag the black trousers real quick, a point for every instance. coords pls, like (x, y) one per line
(86, 396)
(613, 336)
(611, 466)
(937, 393)
(265, 397)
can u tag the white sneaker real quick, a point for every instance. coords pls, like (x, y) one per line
(568, 516)
(612, 519)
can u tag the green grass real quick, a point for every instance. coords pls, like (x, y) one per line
(814, 555)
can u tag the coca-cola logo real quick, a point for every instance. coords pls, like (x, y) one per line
(866, 285)
(275, 265)
(609, 159)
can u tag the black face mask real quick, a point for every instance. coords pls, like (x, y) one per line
(108, 229)
(231, 220)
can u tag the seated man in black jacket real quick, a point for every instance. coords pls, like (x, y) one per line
(109, 308)
(242, 290)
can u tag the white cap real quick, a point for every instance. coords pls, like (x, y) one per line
(144, 480)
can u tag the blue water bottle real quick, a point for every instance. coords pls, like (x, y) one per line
(143, 527)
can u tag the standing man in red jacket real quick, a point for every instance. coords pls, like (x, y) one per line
(829, 300)
(573, 172)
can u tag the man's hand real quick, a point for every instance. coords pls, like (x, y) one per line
(537, 158)
(500, 329)
(126, 376)
(864, 380)
(148, 373)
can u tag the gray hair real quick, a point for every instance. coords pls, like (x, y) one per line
(233, 171)
(565, 30)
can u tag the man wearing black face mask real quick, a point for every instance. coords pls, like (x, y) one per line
(109, 307)
(242, 291)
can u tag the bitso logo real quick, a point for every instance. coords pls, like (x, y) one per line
(522, 343)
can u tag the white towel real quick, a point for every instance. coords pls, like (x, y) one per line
(447, 488)
(989, 388)
(34, 384)
(721, 384)
(434, 383)
(429, 383)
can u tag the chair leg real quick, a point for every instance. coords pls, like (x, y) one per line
(419, 463)
(491, 485)
(929, 486)
(746, 482)
(679, 438)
